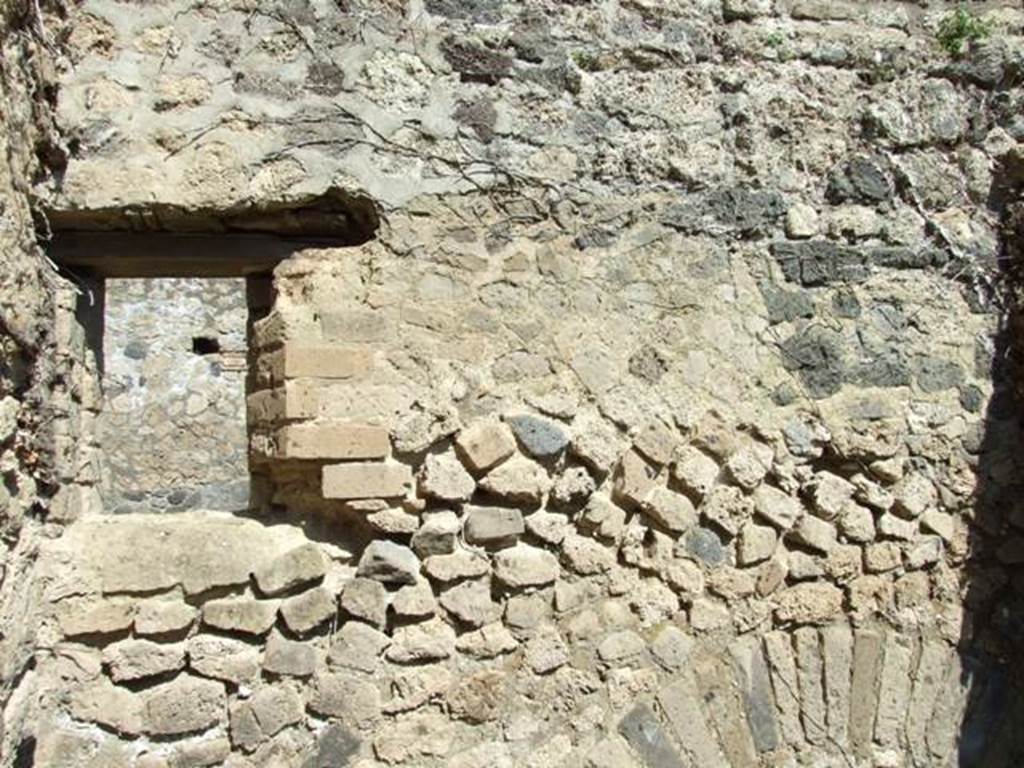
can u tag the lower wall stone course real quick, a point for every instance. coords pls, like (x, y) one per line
(867, 670)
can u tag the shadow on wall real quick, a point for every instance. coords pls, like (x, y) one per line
(991, 647)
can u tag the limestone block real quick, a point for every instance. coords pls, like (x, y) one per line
(431, 640)
(940, 523)
(830, 494)
(525, 566)
(290, 657)
(184, 705)
(633, 480)
(572, 488)
(695, 471)
(685, 577)
(539, 438)
(837, 648)
(683, 709)
(708, 615)
(657, 441)
(715, 677)
(96, 617)
(275, 707)
(605, 519)
(485, 444)
(894, 690)
(470, 602)
(596, 443)
(493, 527)
(458, 565)
(671, 647)
(136, 659)
(620, 648)
(810, 666)
(357, 646)
(332, 441)
(756, 543)
(294, 568)
(389, 563)
(158, 617)
(443, 477)
(412, 687)
(882, 556)
(857, 524)
(549, 527)
(414, 601)
(785, 682)
(109, 705)
(808, 603)
(778, 508)
(892, 527)
(815, 533)
(801, 222)
(393, 521)
(546, 651)
(748, 465)
(518, 481)
(610, 753)
(366, 599)
(224, 658)
(669, 509)
(915, 494)
(366, 481)
(304, 612)
(477, 698)
(241, 614)
(867, 665)
(437, 534)
(344, 696)
(586, 556)
(487, 642)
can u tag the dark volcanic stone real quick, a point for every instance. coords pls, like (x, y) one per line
(540, 438)
(747, 211)
(335, 748)
(935, 374)
(641, 728)
(863, 180)
(480, 11)
(704, 544)
(815, 354)
(474, 62)
(822, 262)
(784, 306)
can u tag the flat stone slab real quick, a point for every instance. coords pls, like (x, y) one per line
(196, 550)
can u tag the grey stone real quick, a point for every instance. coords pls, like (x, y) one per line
(275, 707)
(358, 646)
(475, 62)
(132, 659)
(305, 612)
(704, 544)
(756, 689)
(934, 374)
(224, 658)
(539, 437)
(389, 563)
(437, 534)
(336, 746)
(184, 705)
(493, 527)
(366, 599)
(470, 602)
(241, 614)
(785, 306)
(343, 695)
(821, 262)
(159, 617)
(294, 568)
(642, 729)
(431, 640)
(290, 657)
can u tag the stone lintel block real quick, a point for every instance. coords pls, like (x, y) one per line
(365, 480)
(332, 441)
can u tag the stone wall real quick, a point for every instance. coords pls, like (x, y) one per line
(670, 419)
